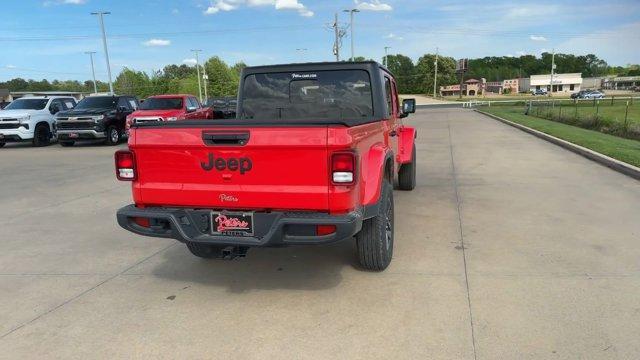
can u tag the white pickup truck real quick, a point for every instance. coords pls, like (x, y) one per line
(32, 119)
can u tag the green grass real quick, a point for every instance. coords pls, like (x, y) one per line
(626, 150)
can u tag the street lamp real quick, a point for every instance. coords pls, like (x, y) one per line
(104, 44)
(198, 72)
(351, 11)
(386, 56)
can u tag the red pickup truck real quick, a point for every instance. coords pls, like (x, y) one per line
(170, 107)
(311, 158)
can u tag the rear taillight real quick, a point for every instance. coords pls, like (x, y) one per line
(343, 165)
(125, 165)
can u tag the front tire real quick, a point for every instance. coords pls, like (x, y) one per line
(41, 135)
(204, 251)
(375, 240)
(2, 144)
(407, 173)
(113, 136)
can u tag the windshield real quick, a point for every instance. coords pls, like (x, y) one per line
(97, 102)
(337, 94)
(28, 104)
(162, 104)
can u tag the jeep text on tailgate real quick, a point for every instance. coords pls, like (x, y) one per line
(310, 159)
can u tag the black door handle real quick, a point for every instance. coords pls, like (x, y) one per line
(225, 138)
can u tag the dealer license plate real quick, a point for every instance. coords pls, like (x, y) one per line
(232, 223)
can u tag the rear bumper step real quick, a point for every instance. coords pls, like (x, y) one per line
(270, 228)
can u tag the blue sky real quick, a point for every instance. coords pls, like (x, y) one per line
(46, 38)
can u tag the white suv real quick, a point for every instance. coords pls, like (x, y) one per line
(32, 119)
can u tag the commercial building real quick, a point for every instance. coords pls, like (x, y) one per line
(622, 83)
(471, 87)
(509, 86)
(562, 83)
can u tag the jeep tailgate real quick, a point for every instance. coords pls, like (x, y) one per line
(232, 168)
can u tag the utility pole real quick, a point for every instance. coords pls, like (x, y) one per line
(104, 43)
(198, 71)
(93, 71)
(435, 75)
(553, 66)
(351, 11)
(386, 56)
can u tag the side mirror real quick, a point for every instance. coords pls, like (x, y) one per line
(191, 109)
(408, 106)
(54, 109)
(122, 109)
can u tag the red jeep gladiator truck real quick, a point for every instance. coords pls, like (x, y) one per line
(170, 107)
(311, 158)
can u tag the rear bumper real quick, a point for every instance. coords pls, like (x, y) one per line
(271, 228)
(80, 134)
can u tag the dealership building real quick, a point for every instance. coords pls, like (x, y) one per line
(562, 83)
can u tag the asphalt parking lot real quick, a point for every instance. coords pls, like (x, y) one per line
(509, 247)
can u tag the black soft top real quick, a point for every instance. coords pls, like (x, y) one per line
(376, 72)
(374, 69)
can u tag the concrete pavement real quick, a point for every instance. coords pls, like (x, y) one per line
(510, 247)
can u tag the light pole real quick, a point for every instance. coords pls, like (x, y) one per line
(351, 11)
(93, 71)
(205, 77)
(435, 75)
(553, 67)
(198, 72)
(104, 43)
(386, 56)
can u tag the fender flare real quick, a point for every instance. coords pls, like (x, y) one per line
(377, 157)
(406, 141)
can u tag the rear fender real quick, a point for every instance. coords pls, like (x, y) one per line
(373, 173)
(407, 136)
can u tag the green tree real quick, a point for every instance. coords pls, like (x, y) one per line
(223, 81)
(404, 71)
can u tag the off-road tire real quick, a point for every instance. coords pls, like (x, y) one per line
(375, 240)
(407, 173)
(67, 143)
(204, 251)
(2, 144)
(41, 135)
(112, 139)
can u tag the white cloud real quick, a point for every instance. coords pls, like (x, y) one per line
(64, 2)
(157, 42)
(10, 66)
(537, 38)
(393, 36)
(374, 5)
(229, 5)
(190, 62)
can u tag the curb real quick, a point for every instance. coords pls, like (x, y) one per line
(607, 161)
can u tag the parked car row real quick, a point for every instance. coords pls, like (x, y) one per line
(588, 94)
(42, 119)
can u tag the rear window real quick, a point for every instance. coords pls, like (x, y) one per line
(98, 102)
(335, 94)
(162, 104)
(28, 104)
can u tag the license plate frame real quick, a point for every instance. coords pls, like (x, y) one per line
(232, 224)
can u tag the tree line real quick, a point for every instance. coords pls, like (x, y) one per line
(413, 77)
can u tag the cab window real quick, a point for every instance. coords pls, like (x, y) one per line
(388, 95)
